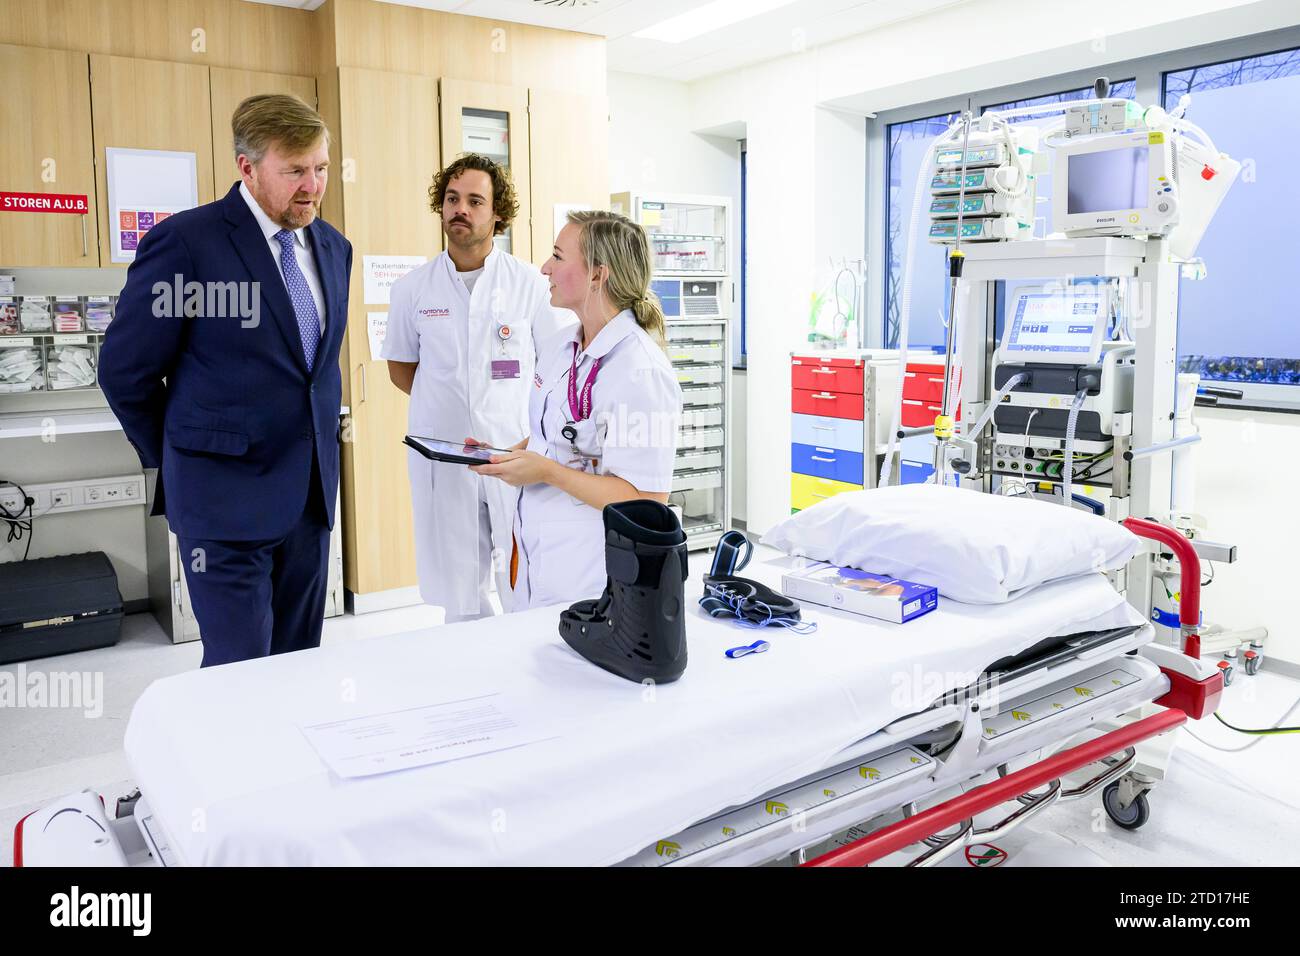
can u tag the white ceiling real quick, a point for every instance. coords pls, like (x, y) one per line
(801, 25)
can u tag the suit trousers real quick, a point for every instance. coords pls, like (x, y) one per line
(256, 598)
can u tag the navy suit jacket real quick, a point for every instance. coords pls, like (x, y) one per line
(203, 366)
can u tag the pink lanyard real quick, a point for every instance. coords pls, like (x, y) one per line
(580, 405)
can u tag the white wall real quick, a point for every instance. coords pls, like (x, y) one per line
(1246, 467)
(653, 148)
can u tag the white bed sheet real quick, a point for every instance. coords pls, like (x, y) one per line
(219, 755)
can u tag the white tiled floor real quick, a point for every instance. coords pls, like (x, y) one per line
(1213, 808)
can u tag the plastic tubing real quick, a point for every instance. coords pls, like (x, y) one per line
(905, 304)
(1002, 393)
(1067, 473)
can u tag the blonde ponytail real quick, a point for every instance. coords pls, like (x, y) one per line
(620, 245)
(650, 316)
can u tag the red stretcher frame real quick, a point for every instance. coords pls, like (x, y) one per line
(1186, 699)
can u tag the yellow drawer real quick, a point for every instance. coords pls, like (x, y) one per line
(807, 490)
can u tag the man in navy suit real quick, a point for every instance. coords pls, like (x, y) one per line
(222, 365)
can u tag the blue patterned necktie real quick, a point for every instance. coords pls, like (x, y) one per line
(304, 306)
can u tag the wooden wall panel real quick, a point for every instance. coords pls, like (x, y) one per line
(147, 104)
(390, 136)
(46, 109)
(250, 36)
(327, 99)
(457, 95)
(570, 158)
(404, 39)
(229, 89)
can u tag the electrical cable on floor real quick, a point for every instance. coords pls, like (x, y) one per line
(1262, 731)
(17, 526)
(1259, 736)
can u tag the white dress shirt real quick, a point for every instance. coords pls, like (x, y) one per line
(301, 250)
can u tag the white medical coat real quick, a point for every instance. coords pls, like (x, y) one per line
(454, 336)
(632, 433)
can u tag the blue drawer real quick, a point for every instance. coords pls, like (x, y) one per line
(822, 462)
(842, 433)
(914, 473)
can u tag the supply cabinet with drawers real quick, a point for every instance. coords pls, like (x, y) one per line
(841, 405)
(689, 238)
(700, 493)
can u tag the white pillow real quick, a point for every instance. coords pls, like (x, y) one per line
(974, 547)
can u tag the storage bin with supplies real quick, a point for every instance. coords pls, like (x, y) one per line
(22, 369)
(68, 314)
(35, 314)
(99, 312)
(69, 365)
(8, 315)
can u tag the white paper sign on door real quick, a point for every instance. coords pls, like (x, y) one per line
(380, 272)
(376, 330)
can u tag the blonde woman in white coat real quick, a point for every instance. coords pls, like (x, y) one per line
(603, 412)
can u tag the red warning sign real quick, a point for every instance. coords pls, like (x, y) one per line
(44, 202)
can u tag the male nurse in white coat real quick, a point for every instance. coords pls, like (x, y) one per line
(460, 342)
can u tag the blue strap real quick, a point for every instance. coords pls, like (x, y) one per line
(733, 553)
(1169, 618)
(719, 602)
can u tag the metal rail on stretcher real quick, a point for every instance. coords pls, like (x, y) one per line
(1186, 697)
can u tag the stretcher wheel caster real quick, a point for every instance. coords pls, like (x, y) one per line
(1131, 817)
(1253, 661)
(1226, 670)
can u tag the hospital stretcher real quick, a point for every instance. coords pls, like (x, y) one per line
(803, 753)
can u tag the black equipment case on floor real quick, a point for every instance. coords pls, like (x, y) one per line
(58, 605)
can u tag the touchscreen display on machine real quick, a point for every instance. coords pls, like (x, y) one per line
(1056, 327)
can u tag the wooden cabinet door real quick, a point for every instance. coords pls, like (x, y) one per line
(45, 115)
(570, 159)
(232, 87)
(474, 115)
(390, 152)
(149, 104)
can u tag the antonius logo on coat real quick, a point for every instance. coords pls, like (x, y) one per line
(435, 313)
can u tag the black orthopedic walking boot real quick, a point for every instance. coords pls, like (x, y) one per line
(637, 629)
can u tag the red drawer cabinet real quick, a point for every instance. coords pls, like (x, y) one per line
(835, 375)
(805, 401)
(923, 394)
(923, 383)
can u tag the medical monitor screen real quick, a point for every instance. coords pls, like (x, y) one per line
(1052, 327)
(1107, 180)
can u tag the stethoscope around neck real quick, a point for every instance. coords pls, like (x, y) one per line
(579, 399)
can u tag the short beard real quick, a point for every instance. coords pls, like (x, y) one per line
(468, 239)
(289, 218)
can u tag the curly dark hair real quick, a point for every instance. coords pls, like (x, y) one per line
(504, 202)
